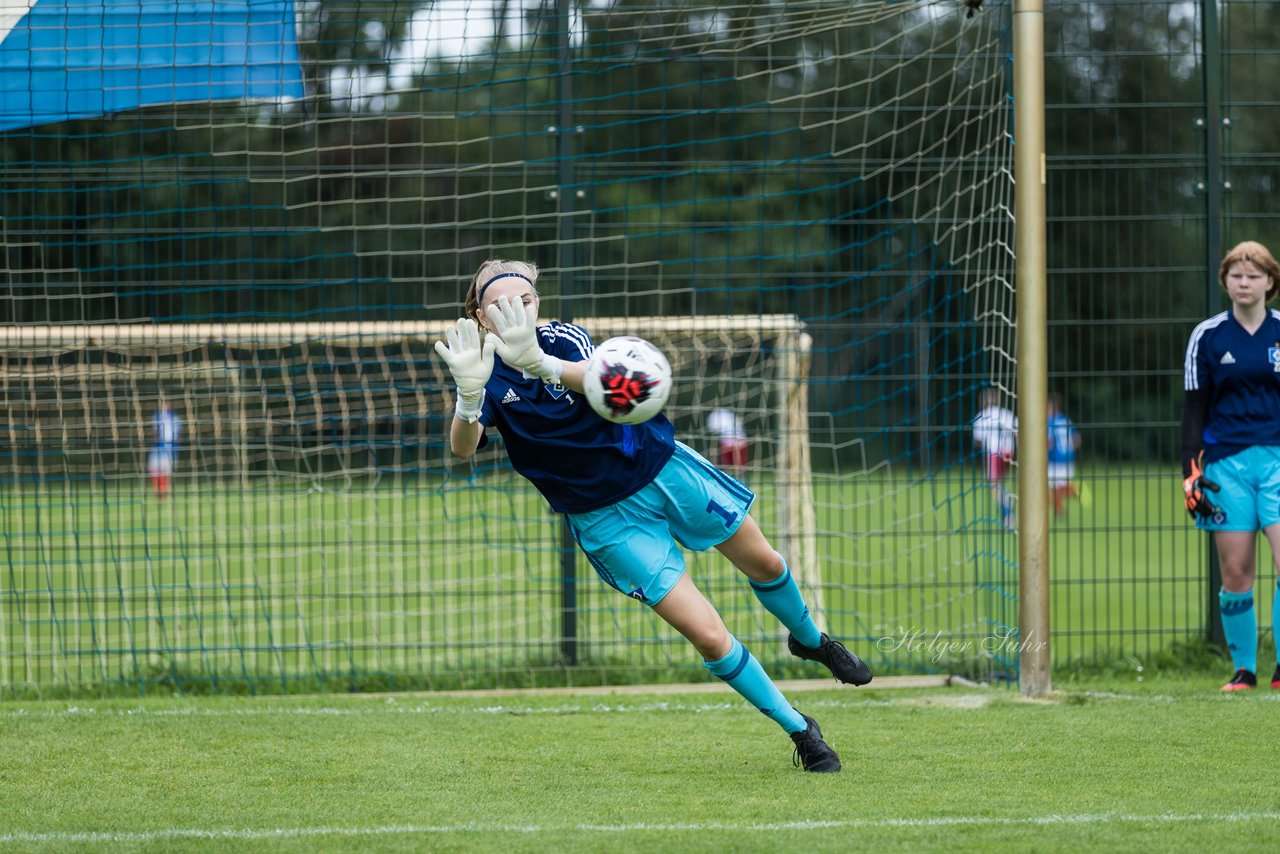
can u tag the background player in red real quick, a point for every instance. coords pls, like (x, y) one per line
(995, 432)
(731, 439)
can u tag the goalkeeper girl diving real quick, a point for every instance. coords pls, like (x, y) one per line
(631, 494)
(1231, 443)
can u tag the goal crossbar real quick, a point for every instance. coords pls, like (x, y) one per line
(112, 336)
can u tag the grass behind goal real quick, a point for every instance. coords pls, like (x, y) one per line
(367, 586)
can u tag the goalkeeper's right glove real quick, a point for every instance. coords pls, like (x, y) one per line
(1198, 504)
(471, 364)
(517, 329)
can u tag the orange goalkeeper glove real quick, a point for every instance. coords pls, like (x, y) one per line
(1198, 504)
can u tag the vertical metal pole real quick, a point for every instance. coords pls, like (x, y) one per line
(1212, 76)
(923, 334)
(1033, 361)
(567, 263)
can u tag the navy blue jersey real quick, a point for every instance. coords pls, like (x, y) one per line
(576, 459)
(1241, 373)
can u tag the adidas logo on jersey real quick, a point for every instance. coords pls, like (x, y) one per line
(510, 396)
(1228, 359)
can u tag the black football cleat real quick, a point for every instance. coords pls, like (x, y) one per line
(844, 665)
(812, 752)
(1242, 681)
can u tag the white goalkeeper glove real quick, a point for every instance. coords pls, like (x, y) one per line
(471, 364)
(519, 345)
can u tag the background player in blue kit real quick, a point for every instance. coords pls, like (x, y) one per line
(632, 494)
(166, 428)
(1231, 442)
(1064, 445)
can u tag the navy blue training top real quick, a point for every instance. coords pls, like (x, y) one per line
(1241, 373)
(576, 459)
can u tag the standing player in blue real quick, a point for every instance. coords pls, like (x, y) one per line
(632, 494)
(1231, 443)
(1064, 443)
(166, 428)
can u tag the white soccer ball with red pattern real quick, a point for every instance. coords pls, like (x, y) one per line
(628, 380)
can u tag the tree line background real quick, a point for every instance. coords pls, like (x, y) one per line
(377, 198)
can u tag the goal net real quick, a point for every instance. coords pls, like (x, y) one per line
(806, 205)
(315, 534)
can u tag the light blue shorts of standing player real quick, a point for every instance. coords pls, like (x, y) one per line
(633, 544)
(1250, 495)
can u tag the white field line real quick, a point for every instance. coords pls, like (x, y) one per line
(424, 708)
(786, 686)
(416, 702)
(1087, 819)
(600, 701)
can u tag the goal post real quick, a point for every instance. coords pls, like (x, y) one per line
(342, 425)
(809, 203)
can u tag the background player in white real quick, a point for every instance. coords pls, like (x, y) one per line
(631, 494)
(1231, 443)
(995, 432)
(166, 430)
(731, 439)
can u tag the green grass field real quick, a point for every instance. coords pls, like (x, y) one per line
(1104, 765)
(284, 587)
(295, 589)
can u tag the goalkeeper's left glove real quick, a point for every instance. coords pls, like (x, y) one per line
(519, 345)
(1198, 504)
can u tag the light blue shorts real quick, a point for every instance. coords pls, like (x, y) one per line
(633, 544)
(1250, 496)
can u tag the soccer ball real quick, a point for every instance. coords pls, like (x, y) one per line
(628, 380)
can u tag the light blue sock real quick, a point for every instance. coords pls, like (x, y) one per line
(1240, 625)
(781, 597)
(745, 675)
